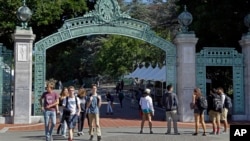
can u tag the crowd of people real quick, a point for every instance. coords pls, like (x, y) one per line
(217, 104)
(74, 107)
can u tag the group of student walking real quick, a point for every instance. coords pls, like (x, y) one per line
(217, 103)
(73, 109)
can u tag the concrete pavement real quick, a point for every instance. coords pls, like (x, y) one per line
(118, 134)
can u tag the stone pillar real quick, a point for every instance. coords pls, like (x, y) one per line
(23, 75)
(245, 44)
(186, 80)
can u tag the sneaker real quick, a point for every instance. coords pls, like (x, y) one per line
(177, 133)
(151, 132)
(141, 132)
(80, 133)
(64, 136)
(167, 133)
(91, 137)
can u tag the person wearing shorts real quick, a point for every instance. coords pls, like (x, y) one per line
(147, 109)
(224, 109)
(73, 104)
(215, 115)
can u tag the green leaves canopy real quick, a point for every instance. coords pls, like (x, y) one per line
(48, 16)
(119, 55)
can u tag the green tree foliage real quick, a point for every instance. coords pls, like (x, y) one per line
(120, 54)
(218, 23)
(48, 16)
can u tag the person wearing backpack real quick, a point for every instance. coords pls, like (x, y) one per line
(210, 97)
(93, 105)
(216, 109)
(198, 111)
(226, 102)
(72, 104)
(170, 102)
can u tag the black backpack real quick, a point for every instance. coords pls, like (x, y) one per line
(217, 103)
(202, 103)
(228, 102)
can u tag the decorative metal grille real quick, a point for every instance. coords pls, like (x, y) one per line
(223, 57)
(6, 61)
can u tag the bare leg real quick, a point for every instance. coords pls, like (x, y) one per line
(142, 122)
(150, 122)
(203, 124)
(197, 122)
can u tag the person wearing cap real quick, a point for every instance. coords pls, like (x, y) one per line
(147, 108)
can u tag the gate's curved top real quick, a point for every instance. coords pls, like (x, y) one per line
(106, 18)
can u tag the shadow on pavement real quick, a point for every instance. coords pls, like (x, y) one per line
(55, 137)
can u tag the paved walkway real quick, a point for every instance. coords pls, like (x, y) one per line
(123, 125)
(118, 134)
(128, 116)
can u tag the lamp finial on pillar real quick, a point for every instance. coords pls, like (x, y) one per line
(24, 15)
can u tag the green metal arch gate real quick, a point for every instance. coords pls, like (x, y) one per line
(105, 19)
(213, 56)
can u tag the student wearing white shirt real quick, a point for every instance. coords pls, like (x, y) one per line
(72, 103)
(147, 108)
(224, 110)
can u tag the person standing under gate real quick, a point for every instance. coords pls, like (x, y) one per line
(93, 106)
(215, 111)
(110, 100)
(224, 112)
(121, 97)
(170, 102)
(49, 101)
(198, 113)
(147, 108)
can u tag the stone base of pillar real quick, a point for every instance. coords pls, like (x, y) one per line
(32, 120)
(186, 114)
(21, 120)
(6, 120)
